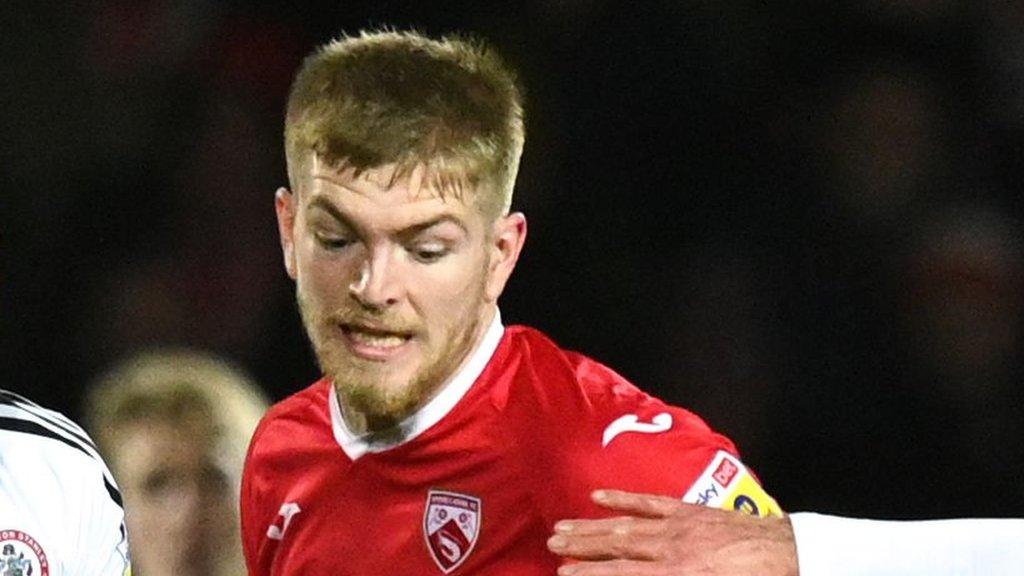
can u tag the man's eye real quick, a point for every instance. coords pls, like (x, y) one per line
(429, 253)
(157, 483)
(332, 242)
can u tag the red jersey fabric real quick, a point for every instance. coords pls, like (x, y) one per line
(479, 491)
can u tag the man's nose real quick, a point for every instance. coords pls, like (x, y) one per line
(375, 284)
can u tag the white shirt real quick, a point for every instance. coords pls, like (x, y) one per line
(60, 510)
(834, 546)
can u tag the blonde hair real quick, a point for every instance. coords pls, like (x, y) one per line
(451, 106)
(176, 386)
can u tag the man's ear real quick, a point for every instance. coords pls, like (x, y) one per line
(285, 206)
(506, 244)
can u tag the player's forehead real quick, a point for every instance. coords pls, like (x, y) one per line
(389, 181)
(387, 195)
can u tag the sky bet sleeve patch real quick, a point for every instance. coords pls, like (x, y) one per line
(727, 484)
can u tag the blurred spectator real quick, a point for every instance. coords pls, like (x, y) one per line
(175, 426)
(962, 313)
(964, 300)
(886, 146)
(885, 142)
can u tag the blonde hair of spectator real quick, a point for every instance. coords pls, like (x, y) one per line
(177, 385)
(451, 106)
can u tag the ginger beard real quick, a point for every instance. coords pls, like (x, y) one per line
(376, 389)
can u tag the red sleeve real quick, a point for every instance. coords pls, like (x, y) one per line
(626, 439)
(592, 429)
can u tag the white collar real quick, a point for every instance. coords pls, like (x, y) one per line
(417, 423)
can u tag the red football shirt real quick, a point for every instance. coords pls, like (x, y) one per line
(517, 441)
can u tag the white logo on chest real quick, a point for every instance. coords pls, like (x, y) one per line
(287, 512)
(631, 423)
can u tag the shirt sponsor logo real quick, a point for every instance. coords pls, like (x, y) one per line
(21, 555)
(725, 472)
(451, 525)
(631, 423)
(708, 495)
(726, 483)
(746, 505)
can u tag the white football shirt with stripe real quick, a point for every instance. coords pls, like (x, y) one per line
(60, 511)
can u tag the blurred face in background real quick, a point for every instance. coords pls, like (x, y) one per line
(179, 502)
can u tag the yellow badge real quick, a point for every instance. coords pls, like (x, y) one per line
(727, 484)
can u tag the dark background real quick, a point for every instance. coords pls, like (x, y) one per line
(800, 219)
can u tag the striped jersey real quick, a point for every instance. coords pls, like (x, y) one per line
(60, 511)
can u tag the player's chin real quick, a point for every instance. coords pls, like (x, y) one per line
(380, 380)
(389, 400)
(199, 562)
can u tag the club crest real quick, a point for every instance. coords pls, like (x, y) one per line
(21, 555)
(451, 524)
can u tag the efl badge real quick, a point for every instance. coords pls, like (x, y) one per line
(451, 524)
(726, 483)
(21, 555)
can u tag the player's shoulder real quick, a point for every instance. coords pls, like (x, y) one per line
(300, 415)
(299, 404)
(546, 373)
(541, 360)
(53, 439)
(47, 454)
(552, 384)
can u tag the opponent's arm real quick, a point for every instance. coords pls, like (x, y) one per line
(663, 536)
(848, 546)
(94, 515)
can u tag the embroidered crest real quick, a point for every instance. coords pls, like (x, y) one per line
(451, 524)
(21, 555)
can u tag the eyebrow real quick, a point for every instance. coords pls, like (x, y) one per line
(325, 205)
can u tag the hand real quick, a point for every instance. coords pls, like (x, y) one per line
(666, 537)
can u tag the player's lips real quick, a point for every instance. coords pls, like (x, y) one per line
(374, 343)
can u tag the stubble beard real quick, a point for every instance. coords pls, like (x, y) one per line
(365, 386)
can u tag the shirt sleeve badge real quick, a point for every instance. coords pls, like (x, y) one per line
(727, 484)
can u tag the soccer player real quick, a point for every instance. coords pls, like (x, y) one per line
(659, 535)
(439, 441)
(174, 425)
(60, 510)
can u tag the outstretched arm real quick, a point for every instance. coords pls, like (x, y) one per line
(848, 546)
(663, 536)
(660, 535)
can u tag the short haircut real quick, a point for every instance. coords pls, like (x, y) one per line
(179, 386)
(450, 105)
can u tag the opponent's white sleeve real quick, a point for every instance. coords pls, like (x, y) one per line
(835, 546)
(101, 545)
